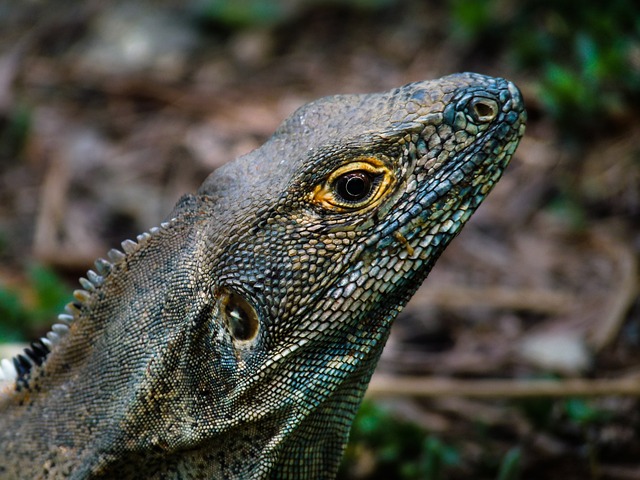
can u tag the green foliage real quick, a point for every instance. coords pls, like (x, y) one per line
(583, 55)
(436, 456)
(566, 207)
(50, 292)
(243, 13)
(510, 466)
(235, 14)
(4, 241)
(360, 4)
(588, 418)
(581, 412)
(21, 313)
(12, 314)
(539, 411)
(14, 130)
(382, 447)
(397, 449)
(472, 19)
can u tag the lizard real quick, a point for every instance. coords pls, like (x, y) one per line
(237, 339)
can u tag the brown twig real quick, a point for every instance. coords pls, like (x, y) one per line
(543, 301)
(9, 68)
(383, 386)
(621, 298)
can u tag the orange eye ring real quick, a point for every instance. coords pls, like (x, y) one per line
(355, 186)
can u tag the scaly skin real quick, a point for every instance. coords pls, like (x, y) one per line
(237, 340)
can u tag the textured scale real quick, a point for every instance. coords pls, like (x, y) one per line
(237, 339)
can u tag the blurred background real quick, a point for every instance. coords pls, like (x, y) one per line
(110, 111)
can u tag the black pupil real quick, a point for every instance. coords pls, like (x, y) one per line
(353, 186)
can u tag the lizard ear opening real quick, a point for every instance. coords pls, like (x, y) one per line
(239, 316)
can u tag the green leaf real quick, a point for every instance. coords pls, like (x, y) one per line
(510, 466)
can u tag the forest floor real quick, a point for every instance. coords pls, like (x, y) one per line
(523, 346)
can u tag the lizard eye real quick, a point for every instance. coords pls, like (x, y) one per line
(354, 186)
(239, 316)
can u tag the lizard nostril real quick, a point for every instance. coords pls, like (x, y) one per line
(484, 109)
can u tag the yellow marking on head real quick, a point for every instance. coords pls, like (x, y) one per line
(400, 238)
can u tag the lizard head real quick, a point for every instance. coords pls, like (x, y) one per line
(332, 225)
(245, 329)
